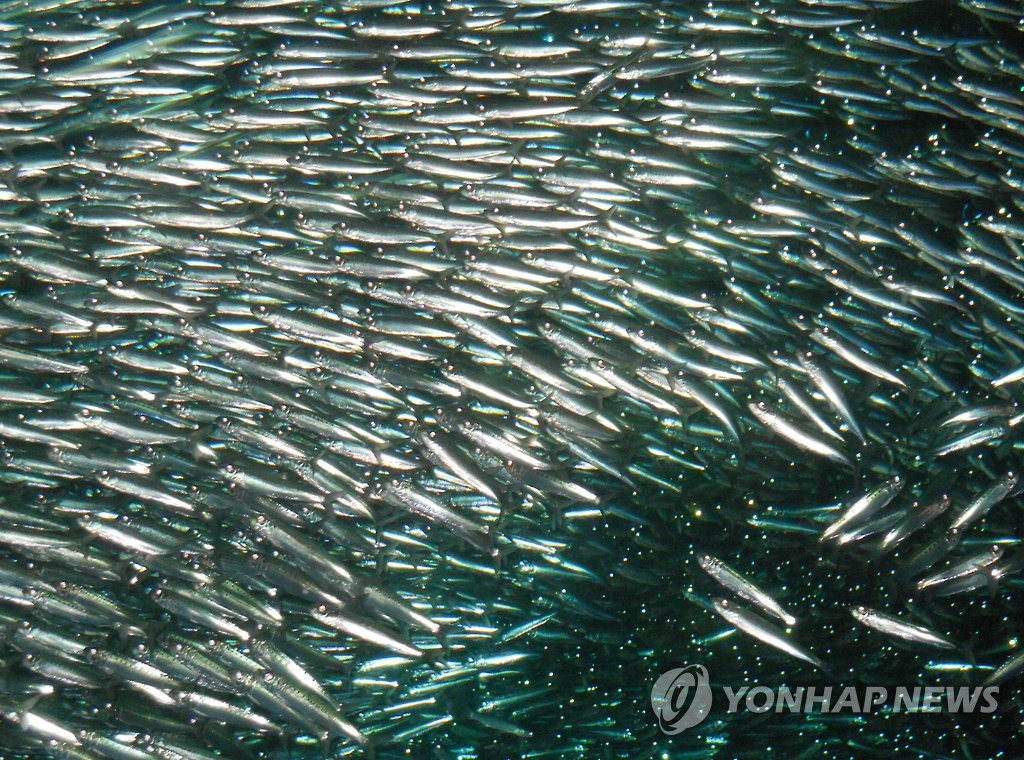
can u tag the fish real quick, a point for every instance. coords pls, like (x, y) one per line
(754, 625)
(743, 587)
(892, 626)
(984, 501)
(866, 506)
(366, 368)
(797, 435)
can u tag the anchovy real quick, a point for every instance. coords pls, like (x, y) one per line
(891, 625)
(795, 434)
(983, 502)
(344, 344)
(867, 505)
(743, 587)
(764, 631)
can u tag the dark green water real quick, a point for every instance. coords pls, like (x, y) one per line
(374, 377)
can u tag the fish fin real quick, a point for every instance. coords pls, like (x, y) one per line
(517, 148)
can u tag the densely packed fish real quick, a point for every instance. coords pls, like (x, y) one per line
(426, 379)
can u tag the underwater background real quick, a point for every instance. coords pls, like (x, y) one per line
(426, 379)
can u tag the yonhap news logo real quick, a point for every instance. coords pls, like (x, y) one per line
(681, 699)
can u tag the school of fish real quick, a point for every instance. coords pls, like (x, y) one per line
(425, 379)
